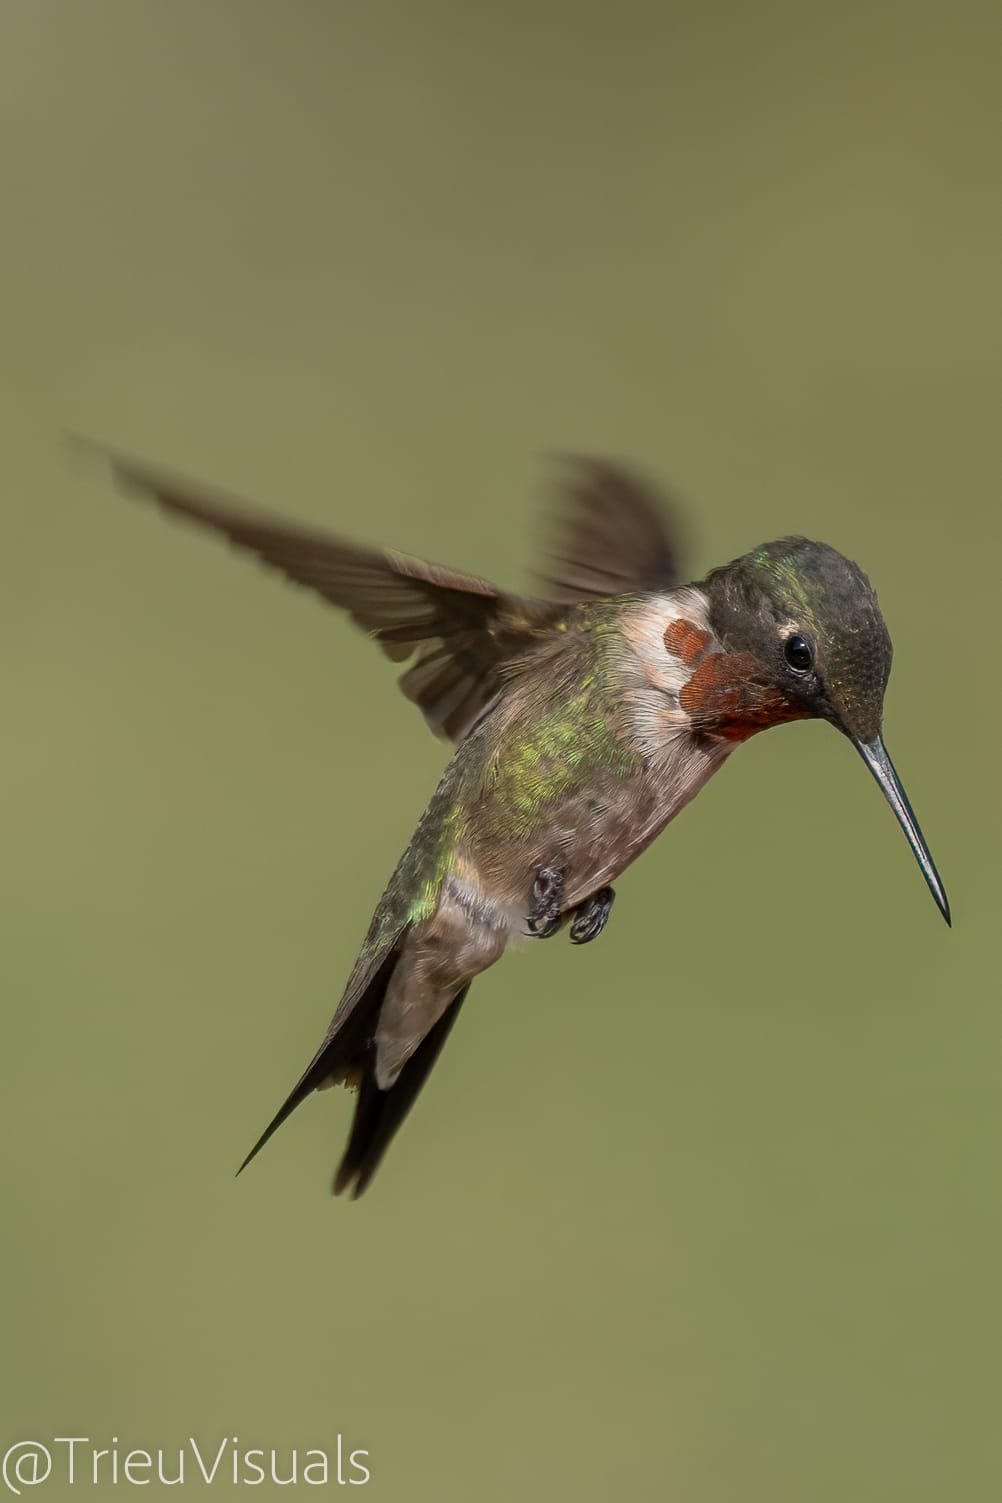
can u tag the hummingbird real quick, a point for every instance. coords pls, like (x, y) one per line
(583, 720)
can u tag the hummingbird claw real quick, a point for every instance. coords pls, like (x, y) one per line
(544, 917)
(592, 916)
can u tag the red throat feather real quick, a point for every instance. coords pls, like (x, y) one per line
(727, 694)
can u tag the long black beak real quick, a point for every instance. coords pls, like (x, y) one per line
(874, 754)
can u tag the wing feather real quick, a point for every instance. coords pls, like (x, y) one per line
(609, 533)
(458, 628)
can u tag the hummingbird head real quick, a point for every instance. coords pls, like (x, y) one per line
(809, 618)
(803, 623)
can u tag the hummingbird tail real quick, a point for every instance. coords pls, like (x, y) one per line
(349, 1054)
(379, 1113)
(343, 1054)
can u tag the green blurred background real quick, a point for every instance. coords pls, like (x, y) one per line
(363, 264)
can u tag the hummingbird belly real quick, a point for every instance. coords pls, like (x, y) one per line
(589, 833)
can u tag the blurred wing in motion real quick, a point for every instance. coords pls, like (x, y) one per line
(458, 628)
(609, 533)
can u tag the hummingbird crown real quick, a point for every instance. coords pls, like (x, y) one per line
(810, 618)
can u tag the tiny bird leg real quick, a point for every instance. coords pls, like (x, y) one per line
(591, 916)
(544, 916)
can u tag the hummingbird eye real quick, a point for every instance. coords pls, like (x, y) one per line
(798, 653)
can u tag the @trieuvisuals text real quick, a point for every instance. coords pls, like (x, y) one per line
(80, 1460)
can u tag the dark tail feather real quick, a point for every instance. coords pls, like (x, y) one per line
(379, 1113)
(316, 1074)
(339, 1053)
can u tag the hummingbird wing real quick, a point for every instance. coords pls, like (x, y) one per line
(609, 533)
(458, 628)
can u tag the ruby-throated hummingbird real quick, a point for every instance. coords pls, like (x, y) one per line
(583, 722)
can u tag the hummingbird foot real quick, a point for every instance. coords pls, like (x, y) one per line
(544, 916)
(591, 917)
